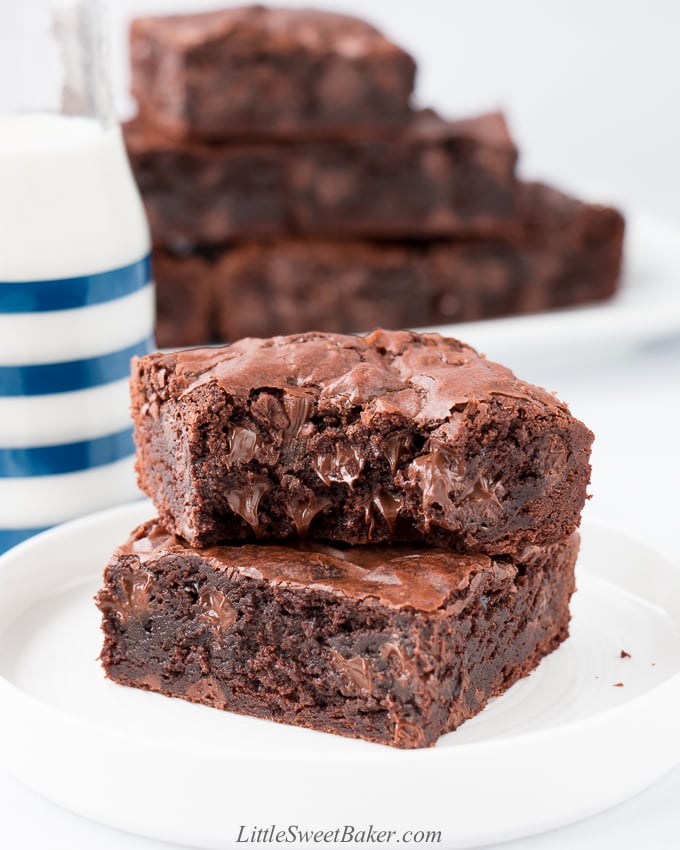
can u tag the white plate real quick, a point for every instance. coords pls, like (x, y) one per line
(646, 307)
(560, 745)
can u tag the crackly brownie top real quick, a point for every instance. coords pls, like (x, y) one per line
(263, 28)
(399, 576)
(422, 377)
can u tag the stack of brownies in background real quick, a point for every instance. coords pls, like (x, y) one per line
(367, 536)
(291, 186)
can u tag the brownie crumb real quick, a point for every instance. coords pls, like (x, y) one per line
(618, 685)
(624, 654)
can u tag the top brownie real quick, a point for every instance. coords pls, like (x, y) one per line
(392, 437)
(259, 71)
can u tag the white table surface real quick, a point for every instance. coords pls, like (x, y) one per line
(591, 90)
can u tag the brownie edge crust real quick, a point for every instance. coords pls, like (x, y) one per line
(394, 437)
(392, 644)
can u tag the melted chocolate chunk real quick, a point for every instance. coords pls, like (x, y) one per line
(216, 608)
(244, 501)
(244, 444)
(303, 511)
(342, 466)
(135, 588)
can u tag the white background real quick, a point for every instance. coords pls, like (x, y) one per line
(592, 91)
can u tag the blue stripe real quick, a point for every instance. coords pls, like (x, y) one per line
(66, 457)
(70, 375)
(12, 536)
(70, 292)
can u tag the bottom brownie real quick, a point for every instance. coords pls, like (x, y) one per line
(396, 645)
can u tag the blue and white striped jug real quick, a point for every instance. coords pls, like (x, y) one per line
(76, 303)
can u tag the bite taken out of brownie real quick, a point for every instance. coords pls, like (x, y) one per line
(392, 644)
(393, 437)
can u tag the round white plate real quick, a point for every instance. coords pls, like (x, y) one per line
(646, 307)
(560, 745)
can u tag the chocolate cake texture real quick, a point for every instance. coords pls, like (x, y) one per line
(292, 286)
(567, 253)
(392, 644)
(393, 437)
(254, 70)
(185, 299)
(431, 178)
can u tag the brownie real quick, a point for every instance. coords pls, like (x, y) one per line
(569, 253)
(292, 286)
(198, 193)
(184, 299)
(392, 644)
(288, 286)
(591, 235)
(253, 70)
(435, 178)
(393, 437)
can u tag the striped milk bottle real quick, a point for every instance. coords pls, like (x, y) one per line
(76, 293)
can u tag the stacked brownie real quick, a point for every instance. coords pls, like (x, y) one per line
(291, 186)
(367, 536)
